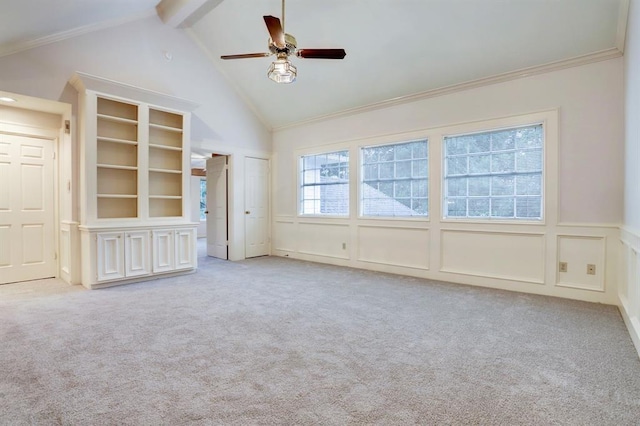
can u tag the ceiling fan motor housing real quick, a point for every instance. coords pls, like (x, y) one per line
(290, 46)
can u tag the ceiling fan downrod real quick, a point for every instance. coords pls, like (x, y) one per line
(283, 16)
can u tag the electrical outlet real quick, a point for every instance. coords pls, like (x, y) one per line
(563, 267)
(591, 269)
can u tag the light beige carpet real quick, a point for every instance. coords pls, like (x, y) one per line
(277, 341)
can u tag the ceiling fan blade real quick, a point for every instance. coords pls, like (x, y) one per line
(322, 53)
(246, 55)
(275, 31)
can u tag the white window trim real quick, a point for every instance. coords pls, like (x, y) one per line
(360, 178)
(435, 136)
(549, 121)
(319, 150)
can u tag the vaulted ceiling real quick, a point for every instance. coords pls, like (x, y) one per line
(395, 48)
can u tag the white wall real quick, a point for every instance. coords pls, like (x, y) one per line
(133, 54)
(629, 291)
(588, 205)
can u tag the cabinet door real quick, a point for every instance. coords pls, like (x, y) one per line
(110, 259)
(185, 249)
(163, 251)
(137, 254)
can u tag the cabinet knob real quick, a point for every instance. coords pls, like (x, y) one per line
(247, 212)
(206, 212)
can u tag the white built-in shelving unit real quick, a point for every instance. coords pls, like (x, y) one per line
(134, 167)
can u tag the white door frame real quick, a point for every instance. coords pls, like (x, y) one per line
(236, 201)
(63, 154)
(52, 137)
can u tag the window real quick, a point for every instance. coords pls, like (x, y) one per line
(203, 199)
(324, 184)
(495, 174)
(395, 180)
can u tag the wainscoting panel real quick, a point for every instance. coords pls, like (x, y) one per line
(65, 251)
(69, 255)
(502, 255)
(394, 246)
(623, 275)
(284, 235)
(323, 239)
(578, 252)
(629, 291)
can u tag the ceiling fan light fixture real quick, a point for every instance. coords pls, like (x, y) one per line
(282, 71)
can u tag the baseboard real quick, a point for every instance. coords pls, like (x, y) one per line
(633, 325)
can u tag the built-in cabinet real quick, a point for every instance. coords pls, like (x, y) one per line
(122, 255)
(173, 249)
(135, 169)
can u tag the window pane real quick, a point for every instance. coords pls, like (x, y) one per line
(480, 143)
(419, 188)
(503, 162)
(457, 145)
(529, 185)
(479, 207)
(479, 164)
(457, 187)
(457, 207)
(419, 205)
(502, 185)
(403, 169)
(528, 207)
(403, 189)
(370, 171)
(419, 168)
(403, 152)
(419, 150)
(457, 166)
(502, 207)
(494, 174)
(386, 153)
(369, 155)
(529, 161)
(503, 140)
(529, 137)
(309, 162)
(310, 176)
(479, 186)
(395, 180)
(203, 199)
(387, 189)
(386, 171)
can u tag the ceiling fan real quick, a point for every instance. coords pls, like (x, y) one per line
(284, 45)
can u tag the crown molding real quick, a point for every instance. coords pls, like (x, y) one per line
(82, 82)
(10, 49)
(602, 55)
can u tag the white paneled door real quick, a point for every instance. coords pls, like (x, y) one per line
(26, 209)
(217, 207)
(256, 207)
